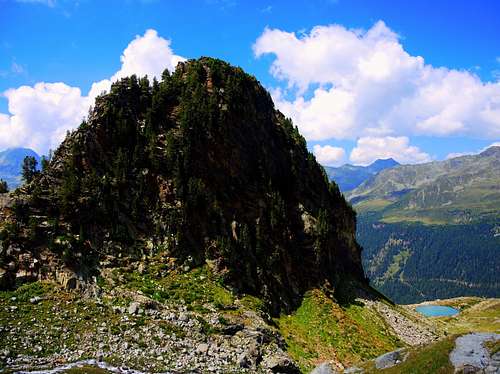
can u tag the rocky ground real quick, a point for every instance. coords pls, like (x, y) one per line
(411, 327)
(125, 321)
(470, 354)
(185, 320)
(43, 325)
(475, 353)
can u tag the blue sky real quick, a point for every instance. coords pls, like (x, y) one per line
(80, 43)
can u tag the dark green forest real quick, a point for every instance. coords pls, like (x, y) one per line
(414, 262)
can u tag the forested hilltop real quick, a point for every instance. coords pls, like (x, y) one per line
(199, 165)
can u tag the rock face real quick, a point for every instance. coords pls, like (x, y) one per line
(200, 165)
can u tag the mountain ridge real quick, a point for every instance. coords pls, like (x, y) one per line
(427, 190)
(350, 176)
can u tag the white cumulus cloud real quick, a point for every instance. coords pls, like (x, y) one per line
(458, 154)
(494, 144)
(41, 114)
(328, 155)
(149, 55)
(369, 149)
(368, 85)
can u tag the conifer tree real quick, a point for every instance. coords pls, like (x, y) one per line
(3, 186)
(29, 169)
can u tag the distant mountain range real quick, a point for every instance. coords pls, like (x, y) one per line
(432, 230)
(348, 177)
(11, 161)
(452, 191)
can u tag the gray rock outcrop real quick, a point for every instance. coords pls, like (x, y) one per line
(471, 356)
(391, 359)
(324, 368)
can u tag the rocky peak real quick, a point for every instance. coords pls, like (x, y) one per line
(200, 166)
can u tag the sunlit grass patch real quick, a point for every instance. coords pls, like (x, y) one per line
(321, 330)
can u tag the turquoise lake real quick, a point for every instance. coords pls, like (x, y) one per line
(436, 310)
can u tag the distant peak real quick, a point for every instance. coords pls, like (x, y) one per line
(493, 150)
(16, 152)
(384, 163)
(19, 149)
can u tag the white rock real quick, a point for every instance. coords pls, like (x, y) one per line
(133, 308)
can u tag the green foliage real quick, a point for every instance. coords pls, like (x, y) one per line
(323, 230)
(69, 188)
(206, 328)
(194, 288)
(45, 161)
(320, 329)
(414, 262)
(25, 292)
(3, 186)
(170, 329)
(29, 169)
(293, 132)
(253, 303)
